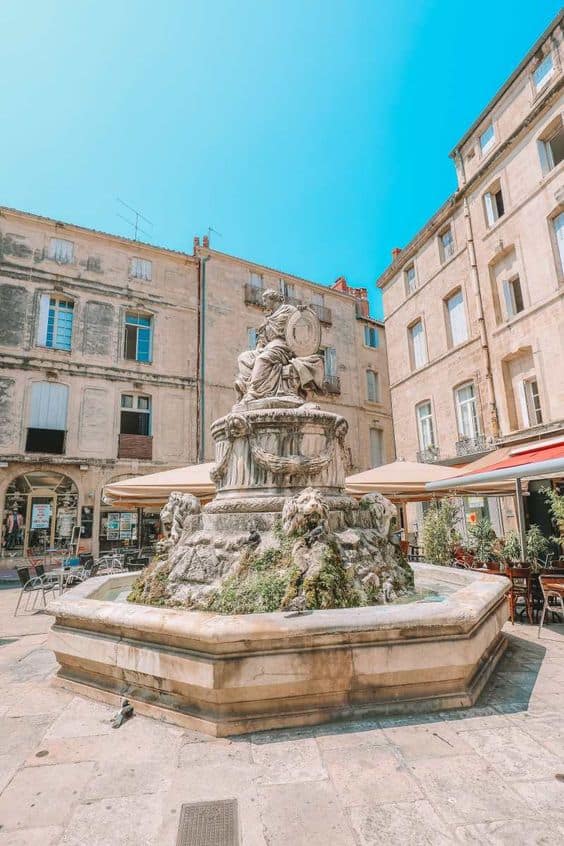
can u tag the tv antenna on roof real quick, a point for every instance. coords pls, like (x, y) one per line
(134, 223)
(211, 229)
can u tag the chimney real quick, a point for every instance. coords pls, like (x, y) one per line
(196, 242)
(341, 285)
(395, 253)
(206, 241)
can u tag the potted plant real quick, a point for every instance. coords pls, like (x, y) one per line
(483, 540)
(556, 504)
(439, 532)
(511, 552)
(537, 545)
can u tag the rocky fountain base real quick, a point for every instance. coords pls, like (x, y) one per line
(266, 542)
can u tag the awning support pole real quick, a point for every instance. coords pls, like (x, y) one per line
(521, 518)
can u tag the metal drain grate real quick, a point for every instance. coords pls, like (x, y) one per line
(209, 824)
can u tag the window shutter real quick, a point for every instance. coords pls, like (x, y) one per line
(457, 316)
(43, 319)
(48, 408)
(489, 209)
(522, 389)
(559, 230)
(508, 297)
(330, 361)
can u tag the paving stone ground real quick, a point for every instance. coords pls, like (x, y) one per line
(492, 774)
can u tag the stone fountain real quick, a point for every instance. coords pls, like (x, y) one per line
(280, 534)
(280, 475)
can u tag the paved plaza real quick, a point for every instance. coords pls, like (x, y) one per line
(493, 774)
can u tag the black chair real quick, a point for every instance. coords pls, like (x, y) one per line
(32, 585)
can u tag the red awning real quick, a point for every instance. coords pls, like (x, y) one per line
(540, 459)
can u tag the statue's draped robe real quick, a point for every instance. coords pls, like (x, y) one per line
(261, 369)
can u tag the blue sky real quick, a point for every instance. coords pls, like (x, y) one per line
(312, 134)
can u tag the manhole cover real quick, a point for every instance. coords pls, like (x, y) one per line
(208, 824)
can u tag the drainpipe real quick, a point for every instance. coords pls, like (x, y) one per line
(521, 518)
(494, 418)
(201, 397)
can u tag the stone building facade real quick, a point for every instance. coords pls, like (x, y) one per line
(115, 356)
(474, 306)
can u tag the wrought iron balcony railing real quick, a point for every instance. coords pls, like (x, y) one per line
(253, 295)
(332, 385)
(325, 315)
(429, 455)
(471, 445)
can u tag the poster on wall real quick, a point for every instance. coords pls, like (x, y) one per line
(112, 527)
(65, 522)
(41, 515)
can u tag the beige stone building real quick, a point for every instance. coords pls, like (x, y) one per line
(474, 307)
(115, 357)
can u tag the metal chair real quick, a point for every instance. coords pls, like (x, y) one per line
(32, 585)
(552, 587)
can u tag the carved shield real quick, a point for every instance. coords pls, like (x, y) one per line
(303, 333)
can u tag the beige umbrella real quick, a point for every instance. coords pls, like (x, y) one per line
(403, 480)
(155, 488)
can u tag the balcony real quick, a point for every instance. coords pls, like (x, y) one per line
(429, 455)
(471, 446)
(325, 315)
(135, 446)
(362, 309)
(295, 301)
(253, 295)
(332, 385)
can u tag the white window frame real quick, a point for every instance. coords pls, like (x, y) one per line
(558, 234)
(140, 268)
(287, 289)
(457, 322)
(410, 281)
(256, 280)
(45, 308)
(531, 401)
(419, 352)
(539, 78)
(462, 405)
(134, 407)
(554, 128)
(372, 386)
(485, 146)
(490, 204)
(446, 250)
(330, 362)
(61, 250)
(425, 426)
(509, 298)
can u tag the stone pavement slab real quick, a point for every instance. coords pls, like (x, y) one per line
(481, 775)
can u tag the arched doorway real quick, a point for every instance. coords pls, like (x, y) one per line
(40, 511)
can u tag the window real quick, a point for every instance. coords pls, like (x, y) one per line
(532, 403)
(487, 139)
(543, 72)
(376, 447)
(141, 269)
(446, 244)
(418, 345)
(558, 225)
(256, 280)
(513, 297)
(371, 338)
(54, 329)
(466, 411)
(47, 418)
(61, 250)
(425, 425)
(330, 361)
(372, 386)
(493, 202)
(410, 280)
(252, 338)
(135, 415)
(287, 289)
(551, 145)
(457, 326)
(137, 342)
(318, 299)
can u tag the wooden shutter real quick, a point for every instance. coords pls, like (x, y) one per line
(48, 408)
(43, 319)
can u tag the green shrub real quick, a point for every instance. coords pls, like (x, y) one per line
(483, 541)
(439, 533)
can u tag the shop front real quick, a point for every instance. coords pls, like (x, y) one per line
(40, 513)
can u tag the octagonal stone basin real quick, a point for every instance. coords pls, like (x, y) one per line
(226, 675)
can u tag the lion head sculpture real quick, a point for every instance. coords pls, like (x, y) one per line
(382, 512)
(304, 512)
(174, 513)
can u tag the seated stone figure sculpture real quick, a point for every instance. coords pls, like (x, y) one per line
(275, 368)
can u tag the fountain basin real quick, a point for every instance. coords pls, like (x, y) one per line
(226, 675)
